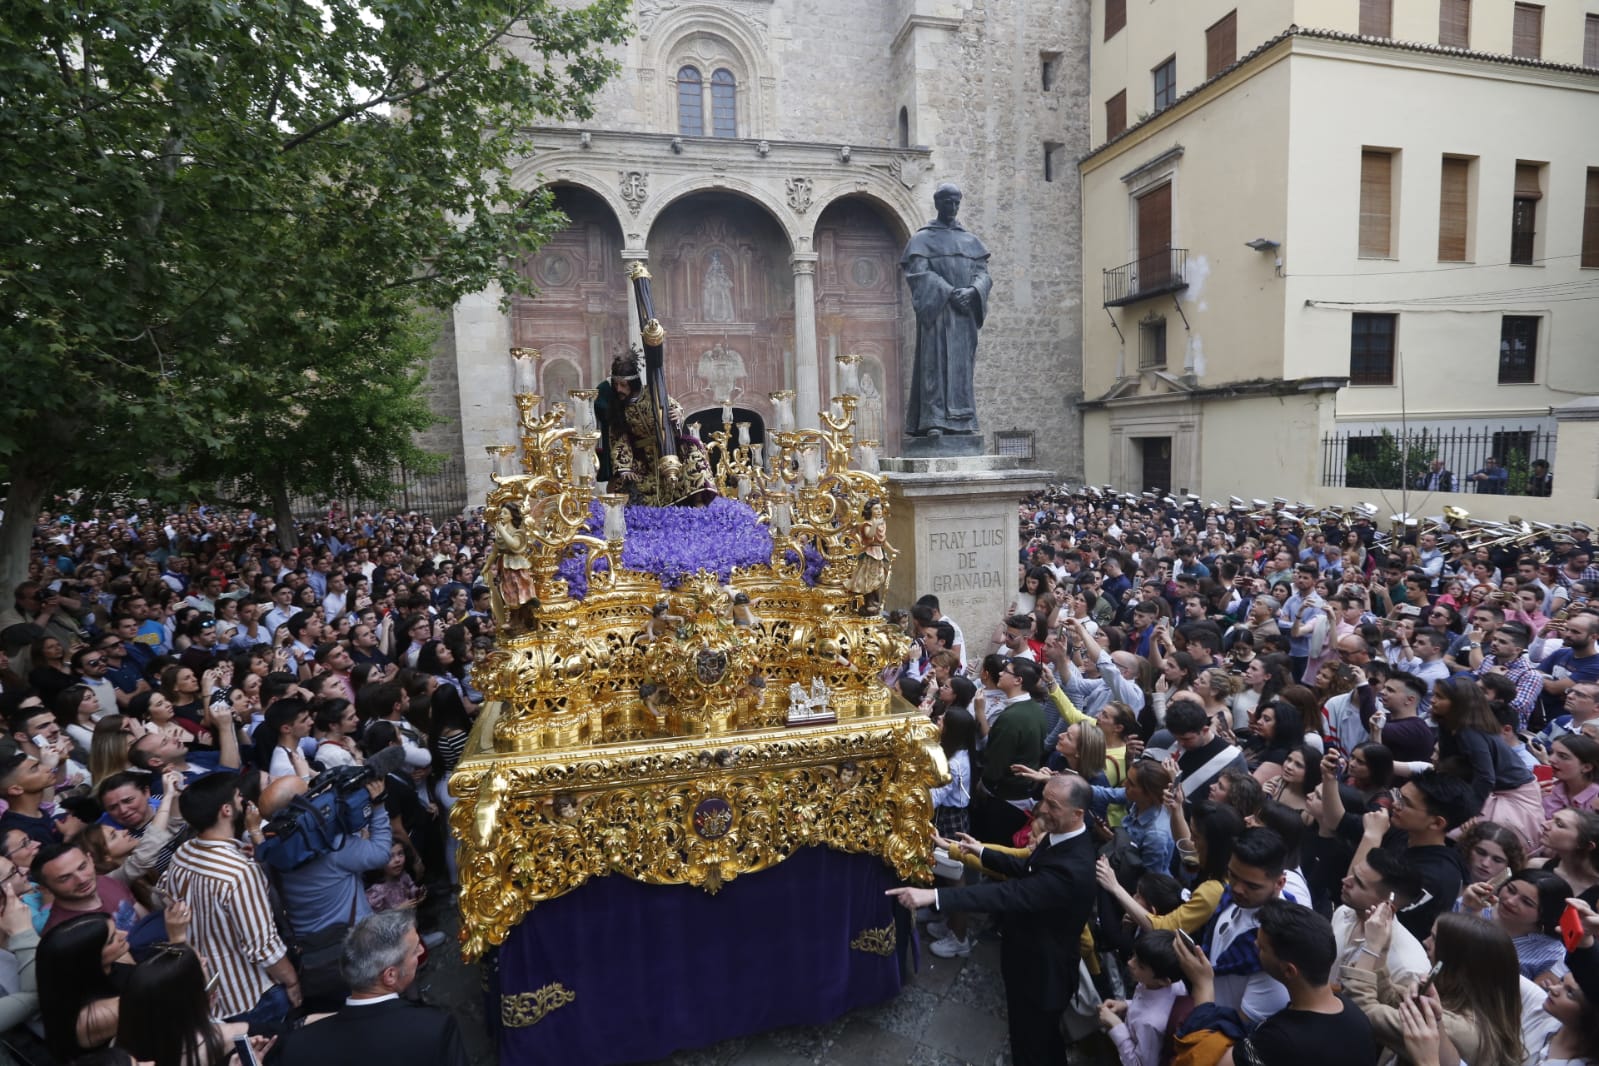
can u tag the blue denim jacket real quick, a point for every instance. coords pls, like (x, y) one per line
(1149, 829)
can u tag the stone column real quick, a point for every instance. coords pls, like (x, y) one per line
(629, 257)
(807, 374)
(483, 339)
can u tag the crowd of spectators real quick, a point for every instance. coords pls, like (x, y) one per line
(177, 690)
(1344, 781)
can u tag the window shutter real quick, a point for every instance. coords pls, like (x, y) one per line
(1527, 37)
(1590, 41)
(1527, 187)
(1221, 45)
(1116, 115)
(1376, 18)
(1154, 238)
(1376, 204)
(1590, 222)
(1115, 17)
(1454, 23)
(1452, 208)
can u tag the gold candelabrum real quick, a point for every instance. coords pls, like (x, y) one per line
(650, 732)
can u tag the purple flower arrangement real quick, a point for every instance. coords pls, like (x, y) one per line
(676, 542)
(813, 563)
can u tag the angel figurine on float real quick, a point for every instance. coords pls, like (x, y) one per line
(870, 578)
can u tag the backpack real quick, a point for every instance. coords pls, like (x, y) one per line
(317, 823)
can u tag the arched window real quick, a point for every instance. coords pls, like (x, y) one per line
(690, 103)
(724, 104)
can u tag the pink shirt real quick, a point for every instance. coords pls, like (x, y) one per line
(1556, 800)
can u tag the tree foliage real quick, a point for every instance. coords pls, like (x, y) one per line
(1387, 462)
(202, 200)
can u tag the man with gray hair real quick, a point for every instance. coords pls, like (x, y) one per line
(377, 1024)
(1042, 907)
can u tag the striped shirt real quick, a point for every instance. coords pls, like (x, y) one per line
(232, 924)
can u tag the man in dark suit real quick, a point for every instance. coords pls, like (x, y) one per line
(377, 1025)
(1438, 478)
(1042, 907)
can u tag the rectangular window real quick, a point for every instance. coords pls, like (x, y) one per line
(1590, 222)
(1590, 41)
(1152, 343)
(1165, 84)
(1054, 159)
(1518, 349)
(1376, 18)
(1376, 204)
(1453, 210)
(1454, 23)
(1048, 67)
(1221, 45)
(1524, 213)
(1371, 349)
(1116, 115)
(1526, 39)
(1115, 17)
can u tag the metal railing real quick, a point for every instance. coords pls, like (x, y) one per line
(1391, 459)
(1151, 275)
(439, 495)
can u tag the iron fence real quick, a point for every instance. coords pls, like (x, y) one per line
(440, 494)
(1391, 459)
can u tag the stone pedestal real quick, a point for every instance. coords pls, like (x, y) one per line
(944, 447)
(954, 521)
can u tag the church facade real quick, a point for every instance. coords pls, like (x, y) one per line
(768, 160)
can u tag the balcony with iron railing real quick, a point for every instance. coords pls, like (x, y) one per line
(1153, 275)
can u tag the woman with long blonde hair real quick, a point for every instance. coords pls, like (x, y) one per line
(1478, 986)
(108, 748)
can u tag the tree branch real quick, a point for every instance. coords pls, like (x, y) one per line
(344, 114)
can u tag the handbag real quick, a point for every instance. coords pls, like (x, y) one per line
(1125, 860)
(317, 956)
(322, 983)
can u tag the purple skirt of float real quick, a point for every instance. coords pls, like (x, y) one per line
(646, 970)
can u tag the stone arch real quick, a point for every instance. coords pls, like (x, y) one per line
(890, 198)
(724, 289)
(862, 306)
(781, 216)
(579, 315)
(554, 170)
(561, 372)
(713, 37)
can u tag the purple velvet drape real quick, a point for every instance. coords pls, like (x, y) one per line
(659, 968)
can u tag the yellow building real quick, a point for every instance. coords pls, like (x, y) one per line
(1309, 221)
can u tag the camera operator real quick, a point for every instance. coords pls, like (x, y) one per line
(329, 890)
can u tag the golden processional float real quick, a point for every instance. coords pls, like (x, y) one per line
(681, 696)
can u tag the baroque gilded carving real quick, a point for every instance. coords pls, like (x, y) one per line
(530, 1008)
(640, 727)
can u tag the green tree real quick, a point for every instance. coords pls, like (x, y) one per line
(202, 201)
(1385, 464)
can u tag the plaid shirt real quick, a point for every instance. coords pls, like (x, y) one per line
(1527, 679)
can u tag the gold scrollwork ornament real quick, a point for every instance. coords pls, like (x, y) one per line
(529, 1008)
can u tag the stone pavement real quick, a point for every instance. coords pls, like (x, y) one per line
(950, 1013)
